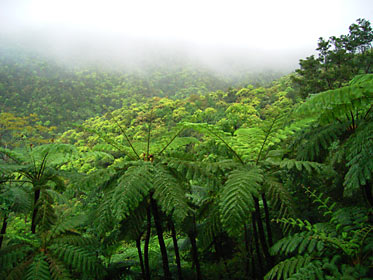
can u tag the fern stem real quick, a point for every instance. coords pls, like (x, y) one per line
(228, 146)
(125, 134)
(368, 194)
(220, 255)
(267, 220)
(35, 211)
(148, 140)
(266, 138)
(257, 247)
(262, 236)
(367, 113)
(247, 261)
(42, 166)
(192, 236)
(3, 229)
(169, 143)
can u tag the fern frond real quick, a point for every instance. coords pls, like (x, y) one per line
(17, 272)
(333, 104)
(299, 242)
(131, 189)
(133, 225)
(308, 166)
(170, 194)
(288, 267)
(323, 203)
(38, 269)
(236, 198)
(13, 254)
(313, 142)
(79, 258)
(310, 271)
(57, 269)
(45, 217)
(280, 198)
(68, 223)
(360, 158)
(211, 226)
(102, 216)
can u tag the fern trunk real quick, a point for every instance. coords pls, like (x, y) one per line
(138, 245)
(247, 259)
(220, 255)
(3, 229)
(176, 248)
(368, 194)
(261, 233)
(267, 220)
(158, 226)
(146, 243)
(192, 236)
(35, 211)
(257, 247)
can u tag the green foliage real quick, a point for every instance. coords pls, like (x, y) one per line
(335, 104)
(341, 242)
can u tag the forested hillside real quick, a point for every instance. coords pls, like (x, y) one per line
(61, 95)
(179, 173)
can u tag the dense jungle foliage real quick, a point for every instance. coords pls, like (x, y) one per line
(181, 174)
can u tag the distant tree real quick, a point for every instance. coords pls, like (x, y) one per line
(338, 60)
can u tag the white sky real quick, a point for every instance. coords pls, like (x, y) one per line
(265, 25)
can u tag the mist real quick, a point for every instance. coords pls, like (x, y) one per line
(224, 36)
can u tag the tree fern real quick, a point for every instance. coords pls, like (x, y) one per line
(50, 254)
(333, 104)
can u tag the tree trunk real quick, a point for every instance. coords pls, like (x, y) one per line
(35, 211)
(192, 236)
(368, 194)
(220, 255)
(268, 220)
(176, 248)
(146, 243)
(257, 247)
(3, 229)
(158, 226)
(138, 245)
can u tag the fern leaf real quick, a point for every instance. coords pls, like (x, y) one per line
(288, 267)
(131, 189)
(79, 258)
(360, 158)
(170, 194)
(57, 269)
(38, 269)
(236, 198)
